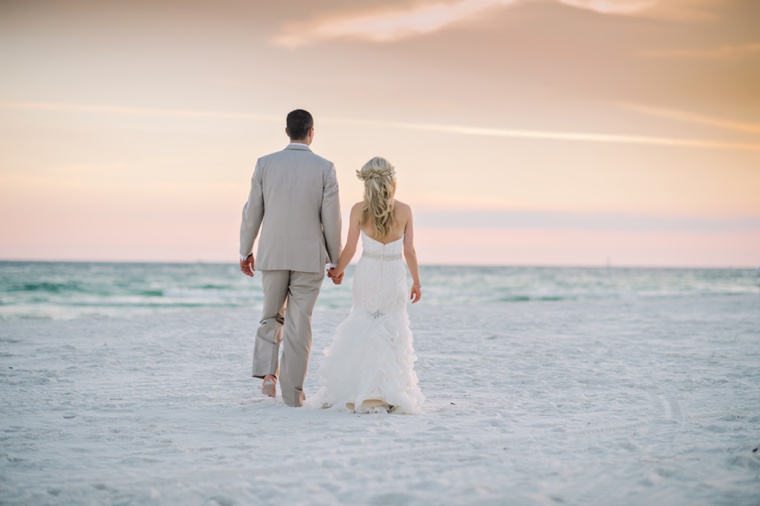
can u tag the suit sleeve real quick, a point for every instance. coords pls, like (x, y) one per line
(253, 214)
(330, 215)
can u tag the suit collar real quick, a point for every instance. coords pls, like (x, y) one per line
(298, 145)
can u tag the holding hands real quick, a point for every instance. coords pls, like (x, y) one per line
(337, 277)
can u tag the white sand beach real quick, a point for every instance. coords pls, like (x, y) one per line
(641, 401)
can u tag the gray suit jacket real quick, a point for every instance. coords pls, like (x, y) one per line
(294, 200)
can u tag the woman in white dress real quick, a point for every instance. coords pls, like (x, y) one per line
(369, 367)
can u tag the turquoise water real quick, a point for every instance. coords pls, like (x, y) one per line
(69, 290)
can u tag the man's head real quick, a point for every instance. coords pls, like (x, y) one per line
(300, 126)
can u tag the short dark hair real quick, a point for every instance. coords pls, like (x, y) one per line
(299, 123)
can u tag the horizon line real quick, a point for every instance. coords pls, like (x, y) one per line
(601, 265)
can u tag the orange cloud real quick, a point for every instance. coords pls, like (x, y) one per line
(690, 117)
(612, 6)
(385, 25)
(573, 136)
(390, 24)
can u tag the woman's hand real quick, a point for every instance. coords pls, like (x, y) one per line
(416, 294)
(335, 275)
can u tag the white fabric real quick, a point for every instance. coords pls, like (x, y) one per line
(371, 356)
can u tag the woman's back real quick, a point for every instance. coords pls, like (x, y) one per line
(401, 213)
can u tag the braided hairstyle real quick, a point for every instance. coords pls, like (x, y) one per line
(379, 179)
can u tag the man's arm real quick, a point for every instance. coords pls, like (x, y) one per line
(330, 215)
(253, 214)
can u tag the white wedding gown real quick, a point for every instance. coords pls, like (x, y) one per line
(371, 356)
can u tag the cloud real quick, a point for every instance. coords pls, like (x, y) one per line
(689, 117)
(573, 136)
(428, 127)
(390, 24)
(136, 111)
(720, 53)
(555, 136)
(385, 25)
(687, 11)
(611, 6)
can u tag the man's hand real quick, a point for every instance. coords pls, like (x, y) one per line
(335, 279)
(246, 266)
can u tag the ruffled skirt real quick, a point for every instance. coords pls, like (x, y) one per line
(371, 358)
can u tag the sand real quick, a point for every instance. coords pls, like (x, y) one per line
(642, 401)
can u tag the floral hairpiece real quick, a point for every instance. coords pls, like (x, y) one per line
(375, 174)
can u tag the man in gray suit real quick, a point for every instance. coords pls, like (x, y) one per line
(294, 201)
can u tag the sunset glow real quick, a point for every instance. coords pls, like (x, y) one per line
(552, 132)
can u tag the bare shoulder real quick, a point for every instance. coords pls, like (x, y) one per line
(356, 212)
(403, 210)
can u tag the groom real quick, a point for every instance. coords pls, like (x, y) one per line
(294, 200)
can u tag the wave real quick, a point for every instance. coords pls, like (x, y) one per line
(516, 298)
(536, 298)
(46, 286)
(60, 290)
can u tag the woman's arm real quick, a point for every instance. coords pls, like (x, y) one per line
(351, 241)
(411, 258)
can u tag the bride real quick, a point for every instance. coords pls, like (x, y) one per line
(369, 365)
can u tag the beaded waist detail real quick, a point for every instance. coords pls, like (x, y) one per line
(382, 256)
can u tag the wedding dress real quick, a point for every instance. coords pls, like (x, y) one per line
(371, 357)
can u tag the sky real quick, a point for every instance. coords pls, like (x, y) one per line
(523, 132)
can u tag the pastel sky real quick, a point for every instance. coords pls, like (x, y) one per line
(524, 132)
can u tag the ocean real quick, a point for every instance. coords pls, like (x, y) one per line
(131, 384)
(67, 290)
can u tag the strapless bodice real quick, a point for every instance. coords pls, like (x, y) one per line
(379, 251)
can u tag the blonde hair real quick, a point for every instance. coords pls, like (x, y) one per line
(379, 179)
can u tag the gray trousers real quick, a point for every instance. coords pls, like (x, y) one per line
(296, 291)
